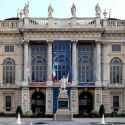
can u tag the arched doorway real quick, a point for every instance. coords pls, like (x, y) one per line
(38, 102)
(85, 102)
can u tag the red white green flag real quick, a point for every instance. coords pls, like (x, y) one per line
(53, 73)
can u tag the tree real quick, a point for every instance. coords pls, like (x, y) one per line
(102, 110)
(19, 110)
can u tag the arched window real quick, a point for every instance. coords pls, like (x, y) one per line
(61, 58)
(85, 69)
(116, 70)
(9, 71)
(39, 63)
(85, 63)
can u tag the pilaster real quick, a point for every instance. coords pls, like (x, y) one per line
(123, 71)
(30, 62)
(19, 66)
(98, 63)
(49, 63)
(74, 63)
(26, 42)
(105, 64)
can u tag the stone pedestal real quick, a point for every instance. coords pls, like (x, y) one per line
(63, 113)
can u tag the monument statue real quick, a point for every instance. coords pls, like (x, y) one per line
(73, 10)
(63, 82)
(50, 11)
(63, 111)
(97, 10)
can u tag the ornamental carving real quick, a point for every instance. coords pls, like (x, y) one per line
(49, 101)
(74, 101)
(25, 99)
(98, 98)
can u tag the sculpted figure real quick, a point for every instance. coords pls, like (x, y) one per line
(73, 10)
(97, 10)
(26, 10)
(50, 11)
(63, 83)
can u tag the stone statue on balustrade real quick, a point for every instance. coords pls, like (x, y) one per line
(50, 11)
(26, 10)
(97, 10)
(73, 10)
(63, 82)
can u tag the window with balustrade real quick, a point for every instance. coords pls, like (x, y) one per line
(9, 71)
(39, 63)
(61, 58)
(116, 70)
(85, 63)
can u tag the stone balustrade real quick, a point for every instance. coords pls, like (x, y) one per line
(89, 22)
(9, 24)
(38, 22)
(75, 22)
(116, 24)
(60, 23)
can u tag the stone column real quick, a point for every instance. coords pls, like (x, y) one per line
(49, 101)
(49, 63)
(30, 62)
(123, 69)
(25, 99)
(98, 63)
(74, 63)
(19, 66)
(25, 82)
(105, 64)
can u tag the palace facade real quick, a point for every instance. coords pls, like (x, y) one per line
(91, 50)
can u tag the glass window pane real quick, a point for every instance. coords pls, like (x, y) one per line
(85, 70)
(61, 57)
(8, 103)
(39, 63)
(116, 71)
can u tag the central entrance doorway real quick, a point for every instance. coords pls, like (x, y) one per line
(38, 102)
(85, 102)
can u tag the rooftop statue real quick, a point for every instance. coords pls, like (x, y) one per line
(26, 10)
(97, 10)
(73, 10)
(50, 11)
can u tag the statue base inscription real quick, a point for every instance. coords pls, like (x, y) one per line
(63, 113)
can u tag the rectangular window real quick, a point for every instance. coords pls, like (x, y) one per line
(116, 48)
(9, 48)
(115, 101)
(8, 103)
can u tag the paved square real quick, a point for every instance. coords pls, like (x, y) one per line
(49, 121)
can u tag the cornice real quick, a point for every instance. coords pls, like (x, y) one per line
(61, 29)
(114, 31)
(9, 31)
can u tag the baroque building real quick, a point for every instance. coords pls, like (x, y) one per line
(91, 50)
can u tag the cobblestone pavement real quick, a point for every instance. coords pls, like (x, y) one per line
(75, 121)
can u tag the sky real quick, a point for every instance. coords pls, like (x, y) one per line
(62, 8)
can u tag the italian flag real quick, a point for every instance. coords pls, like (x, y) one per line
(53, 73)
